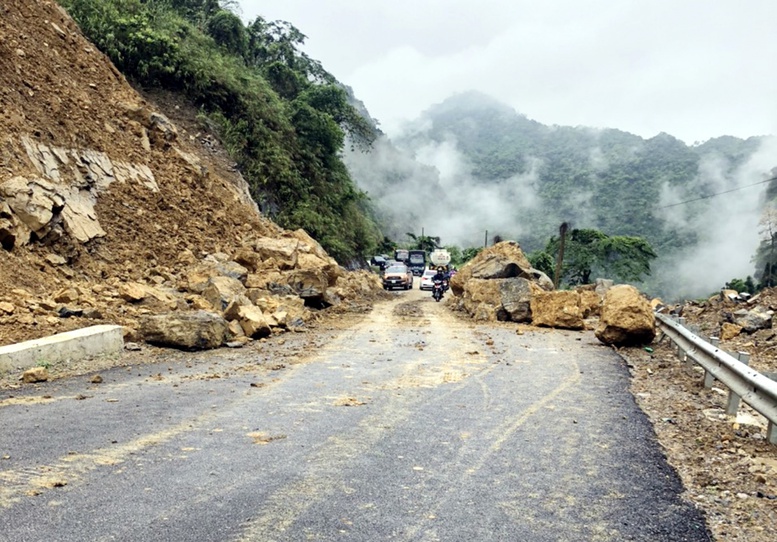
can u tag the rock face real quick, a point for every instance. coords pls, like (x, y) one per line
(559, 309)
(498, 284)
(626, 319)
(198, 330)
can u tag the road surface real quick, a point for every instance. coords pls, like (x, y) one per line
(410, 424)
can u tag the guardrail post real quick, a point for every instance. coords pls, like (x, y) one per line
(681, 355)
(733, 399)
(708, 378)
(771, 433)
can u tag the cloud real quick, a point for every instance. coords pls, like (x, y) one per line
(726, 226)
(694, 70)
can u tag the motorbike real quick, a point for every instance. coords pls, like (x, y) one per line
(437, 290)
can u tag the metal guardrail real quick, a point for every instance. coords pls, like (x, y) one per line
(755, 389)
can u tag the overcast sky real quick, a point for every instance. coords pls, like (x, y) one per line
(693, 68)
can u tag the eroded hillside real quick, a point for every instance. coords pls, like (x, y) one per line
(100, 192)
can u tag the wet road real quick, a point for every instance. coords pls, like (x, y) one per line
(409, 425)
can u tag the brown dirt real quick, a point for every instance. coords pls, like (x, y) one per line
(57, 89)
(727, 467)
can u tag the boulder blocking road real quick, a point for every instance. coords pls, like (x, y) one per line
(408, 425)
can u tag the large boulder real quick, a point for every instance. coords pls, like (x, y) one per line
(309, 283)
(558, 309)
(196, 278)
(253, 321)
(220, 290)
(752, 320)
(328, 266)
(498, 299)
(308, 245)
(500, 261)
(283, 251)
(135, 292)
(626, 317)
(590, 302)
(198, 330)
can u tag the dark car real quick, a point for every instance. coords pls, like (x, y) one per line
(379, 261)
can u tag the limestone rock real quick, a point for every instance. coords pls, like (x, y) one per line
(308, 283)
(308, 245)
(557, 309)
(7, 308)
(328, 266)
(135, 292)
(590, 303)
(752, 320)
(132, 292)
(235, 329)
(198, 330)
(248, 258)
(502, 260)
(36, 374)
(67, 295)
(196, 278)
(498, 299)
(253, 322)
(729, 331)
(261, 281)
(284, 251)
(516, 295)
(221, 290)
(627, 318)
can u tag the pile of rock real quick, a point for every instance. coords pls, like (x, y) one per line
(270, 285)
(500, 284)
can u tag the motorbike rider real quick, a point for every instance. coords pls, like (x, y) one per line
(440, 275)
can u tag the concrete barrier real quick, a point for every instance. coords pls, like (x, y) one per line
(89, 342)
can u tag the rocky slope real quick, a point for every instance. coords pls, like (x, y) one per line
(110, 211)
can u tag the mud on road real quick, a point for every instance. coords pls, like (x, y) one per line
(403, 423)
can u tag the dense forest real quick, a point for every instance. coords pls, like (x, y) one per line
(281, 115)
(477, 165)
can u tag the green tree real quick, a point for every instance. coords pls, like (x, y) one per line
(468, 253)
(543, 261)
(424, 242)
(589, 253)
(228, 31)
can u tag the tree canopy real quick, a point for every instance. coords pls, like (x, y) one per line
(591, 254)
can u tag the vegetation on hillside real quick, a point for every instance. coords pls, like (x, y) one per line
(281, 115)
(589, 254)
(658, 189)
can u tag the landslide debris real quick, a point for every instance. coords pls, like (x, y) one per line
(110, 212)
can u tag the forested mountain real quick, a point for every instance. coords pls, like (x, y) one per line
(281, 115)
(496, 170)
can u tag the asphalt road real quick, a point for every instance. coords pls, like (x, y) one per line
(409, 425)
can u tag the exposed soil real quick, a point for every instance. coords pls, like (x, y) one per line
(727, 467)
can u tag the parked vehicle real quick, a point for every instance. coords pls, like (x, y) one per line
(437, 290)
(397, 276)
(417, 261)
(401, 255)
(379, 261)
(426, 279)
